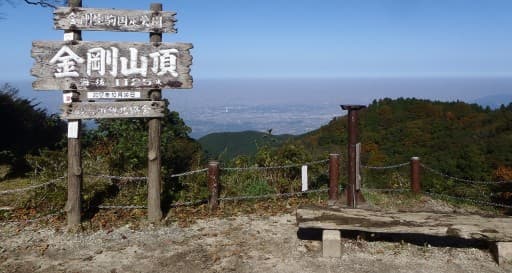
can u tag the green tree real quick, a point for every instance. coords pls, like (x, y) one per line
(26, 128)
(123, 143)
(41, 3)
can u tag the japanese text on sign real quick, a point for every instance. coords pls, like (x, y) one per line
(97, 19)
(114, 95)
(111, 65)
(100, 61)
(94, 110)
(114, 20)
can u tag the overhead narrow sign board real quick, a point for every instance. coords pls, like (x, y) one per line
(99, 110)
(111, 65)
(114, 20)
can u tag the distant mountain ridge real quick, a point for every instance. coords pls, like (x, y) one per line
(494, 101)
(465, 140)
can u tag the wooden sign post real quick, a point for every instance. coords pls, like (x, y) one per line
(95, 75)
(73, 206)
(154, 140)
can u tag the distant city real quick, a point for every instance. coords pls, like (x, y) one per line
(282, 119)
(296, 106)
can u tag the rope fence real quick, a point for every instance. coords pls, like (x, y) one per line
(279, 195)
(189, 173)
(386, 167)
(426, 167)
(386, 190)
(20, 190)
(228, 198)
(274, 195)
(125, 178)
(469, 200)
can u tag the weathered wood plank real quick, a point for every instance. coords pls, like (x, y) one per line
(114, 20)
(436, 224)
(125, 109)
(110, 65)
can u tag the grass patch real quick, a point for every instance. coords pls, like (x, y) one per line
(393, 200)
(17, 183)
(408, 201)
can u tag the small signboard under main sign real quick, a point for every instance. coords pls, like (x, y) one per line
(114, 95)
(125, 109)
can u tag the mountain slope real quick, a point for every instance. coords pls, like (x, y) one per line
(464, 139)
(225, 146)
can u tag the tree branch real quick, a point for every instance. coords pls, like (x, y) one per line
(41, 3)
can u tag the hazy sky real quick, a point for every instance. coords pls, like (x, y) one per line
(304, 38)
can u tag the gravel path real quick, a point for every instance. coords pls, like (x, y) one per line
(233, 244)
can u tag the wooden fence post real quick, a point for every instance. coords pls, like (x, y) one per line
(415, 175)
(334, 178)
(73, 206)
(154, 140)
(353, 194)
(213, 184)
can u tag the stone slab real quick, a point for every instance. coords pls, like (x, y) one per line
(331, 243)
(466, 226)
(502, 252)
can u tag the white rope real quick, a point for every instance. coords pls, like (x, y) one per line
(289, 194)
(140, 178)
(189, 173)
(231, 198)
(462, 179)
(121, 207)
(480, 202)
(31, 187)
(386, 167)
(386, 190)
(129, 178)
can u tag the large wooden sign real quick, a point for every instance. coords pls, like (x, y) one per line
(110, 65)
(128, 109)
(114, 20)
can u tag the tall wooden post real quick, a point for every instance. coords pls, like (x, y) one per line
(353, 194)
(154, 140)
(334, 177)
(73, 206)
(213, 184)
(415, 175)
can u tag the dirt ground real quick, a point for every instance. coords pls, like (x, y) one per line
(232, 244)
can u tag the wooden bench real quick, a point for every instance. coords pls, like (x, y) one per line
(496, 231)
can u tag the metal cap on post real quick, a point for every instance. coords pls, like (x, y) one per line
(353, 195)
(213, 184)
(334, 178)
(415, 175)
